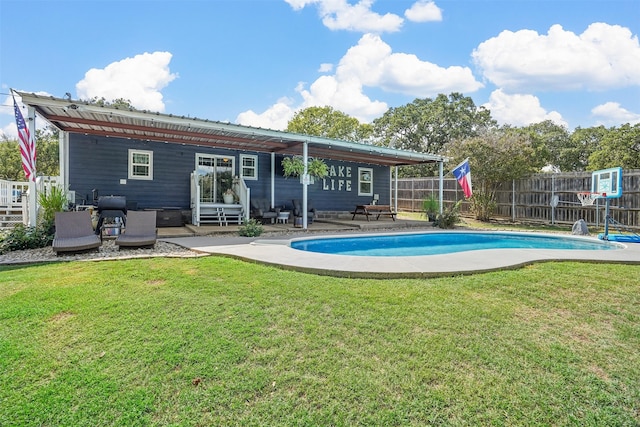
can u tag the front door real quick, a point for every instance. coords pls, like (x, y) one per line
(215, 176)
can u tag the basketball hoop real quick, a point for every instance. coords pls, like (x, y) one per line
(587, 198)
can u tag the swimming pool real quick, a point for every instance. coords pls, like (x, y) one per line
(438, 243)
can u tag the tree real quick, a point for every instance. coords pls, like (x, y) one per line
(583, 142)
(620, 147)
(10, 161)
(47, 149)
(550, 142)
(329, 123)
(121, 103)
(428, 125)
(496, 157)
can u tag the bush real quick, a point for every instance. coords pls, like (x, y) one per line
(430, 208)
(483, 205)
(22, 237)
(40, 236)
(449, 217)
(51, 202)
(251, 228)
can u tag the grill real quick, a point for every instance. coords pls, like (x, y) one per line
(111, 207)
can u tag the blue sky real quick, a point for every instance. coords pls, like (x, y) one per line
(576, 62)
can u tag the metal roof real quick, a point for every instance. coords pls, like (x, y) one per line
(80, 117)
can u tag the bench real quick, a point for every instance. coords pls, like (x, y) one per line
(377, 210)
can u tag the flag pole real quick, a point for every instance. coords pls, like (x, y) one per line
(27, 144)
(33, 195)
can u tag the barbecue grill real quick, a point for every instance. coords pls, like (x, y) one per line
(111, 207)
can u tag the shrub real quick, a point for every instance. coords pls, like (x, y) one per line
(251, 228)
(483, 205)
(22, 237)
(449, 217)
(431, 207)
(51, 202)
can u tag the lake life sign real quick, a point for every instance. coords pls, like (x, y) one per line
(339, 179)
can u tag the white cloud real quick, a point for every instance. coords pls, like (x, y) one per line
(603, 56)
(325, 68)
(300, 4)
(340, 15)
(423, 11)
(275, 117)
(372, 63)
(612, 113)
(10, 130)
(345, 95)
(520, 110)
(138, 79)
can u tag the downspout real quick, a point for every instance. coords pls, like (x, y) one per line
(441, 183)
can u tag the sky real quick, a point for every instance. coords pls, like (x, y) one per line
(257, 62)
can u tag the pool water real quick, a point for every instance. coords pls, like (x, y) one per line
(444, 243)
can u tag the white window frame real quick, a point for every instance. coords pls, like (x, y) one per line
(149, 176)
(361, 172)
(253, 177)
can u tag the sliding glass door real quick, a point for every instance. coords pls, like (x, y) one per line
(215, 176)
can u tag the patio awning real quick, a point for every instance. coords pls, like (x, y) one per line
(80, 117)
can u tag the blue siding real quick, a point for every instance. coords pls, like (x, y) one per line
(101, 162)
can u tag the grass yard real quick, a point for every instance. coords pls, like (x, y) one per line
(216, 341)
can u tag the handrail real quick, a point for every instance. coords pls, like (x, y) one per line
(244, 195)
(11, 192)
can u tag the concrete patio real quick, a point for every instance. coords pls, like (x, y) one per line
(273, 248)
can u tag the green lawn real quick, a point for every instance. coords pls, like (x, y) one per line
(216, 341)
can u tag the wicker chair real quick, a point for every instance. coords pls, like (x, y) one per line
(140, 230)
(74, 232)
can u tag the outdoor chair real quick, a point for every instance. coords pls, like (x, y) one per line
(297, 210)
(74, 232)
(261, 209)
(140, 230)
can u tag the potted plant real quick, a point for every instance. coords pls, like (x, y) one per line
(294, 166)
(317, 168)
(229, 196)
(431, 208)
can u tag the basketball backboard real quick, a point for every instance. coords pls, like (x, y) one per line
(607, 181)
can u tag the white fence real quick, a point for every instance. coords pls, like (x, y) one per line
(15, 200)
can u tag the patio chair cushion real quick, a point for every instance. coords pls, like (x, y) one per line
(297, 209)
(140, 230)
(261, 208)
(74, 232)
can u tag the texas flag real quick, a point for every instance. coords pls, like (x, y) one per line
(463, 175)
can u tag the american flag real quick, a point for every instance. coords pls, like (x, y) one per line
(27, 145)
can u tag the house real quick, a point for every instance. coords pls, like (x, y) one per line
(178, 163)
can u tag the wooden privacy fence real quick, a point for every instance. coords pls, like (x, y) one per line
(529, 199)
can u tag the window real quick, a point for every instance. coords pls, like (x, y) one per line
(140, 164)
(249, 167)
(365, 182)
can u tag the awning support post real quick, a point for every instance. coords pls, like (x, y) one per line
(305, 183)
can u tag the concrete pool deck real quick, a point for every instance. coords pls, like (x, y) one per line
(277, 252)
